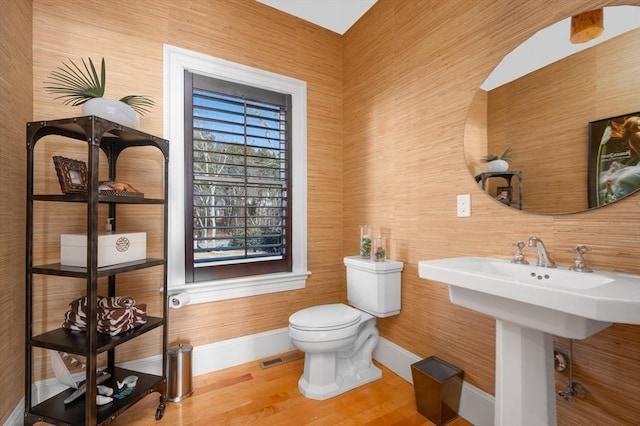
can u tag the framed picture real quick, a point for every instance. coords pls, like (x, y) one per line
(72, 175)
(504, 193)
(614, 158)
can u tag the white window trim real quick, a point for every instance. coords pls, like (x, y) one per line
(176, 61)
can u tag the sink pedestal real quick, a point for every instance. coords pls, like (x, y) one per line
(525, 384)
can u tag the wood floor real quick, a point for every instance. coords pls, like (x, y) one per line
(247, 394)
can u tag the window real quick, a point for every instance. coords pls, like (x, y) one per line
(289, 244)
(237, 172)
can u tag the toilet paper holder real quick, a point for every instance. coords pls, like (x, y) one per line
(176, 301)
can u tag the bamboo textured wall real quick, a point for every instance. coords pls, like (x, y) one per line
(16, 108)
(410, 75)
(387, 107)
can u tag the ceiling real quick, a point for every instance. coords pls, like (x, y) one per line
(335, 15)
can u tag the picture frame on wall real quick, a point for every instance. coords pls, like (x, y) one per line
(72, 175)
(614, 158)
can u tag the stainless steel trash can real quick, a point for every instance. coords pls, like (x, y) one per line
(438, 387)
(179, 373)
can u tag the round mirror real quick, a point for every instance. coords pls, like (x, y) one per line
(568, 117)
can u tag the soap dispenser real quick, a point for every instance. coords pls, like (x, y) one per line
(108, 228)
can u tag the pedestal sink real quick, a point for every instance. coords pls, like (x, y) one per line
(531, 304)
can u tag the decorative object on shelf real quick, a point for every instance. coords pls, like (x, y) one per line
(379, 249)
(72, 174)
(113, 248)
(115, 315)
(504, 193)
(101, 377)
(83, 86)
(64, 365)
(129, 381)
(365, 241)
(498, 163)
(586, 26)
(119, 189)
(113, 110)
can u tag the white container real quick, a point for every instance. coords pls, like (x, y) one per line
(374, 287)
(118, 247)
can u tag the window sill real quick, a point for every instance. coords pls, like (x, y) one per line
(234, 288)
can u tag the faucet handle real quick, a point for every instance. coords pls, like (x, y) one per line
(519, 256)
(580, 264)
(581, 249)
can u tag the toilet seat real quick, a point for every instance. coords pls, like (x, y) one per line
(325, 318)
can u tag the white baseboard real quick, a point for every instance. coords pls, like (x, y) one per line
(475, 405)
(17, 415)
(224, 354)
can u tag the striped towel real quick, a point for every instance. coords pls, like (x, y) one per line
(115, 315)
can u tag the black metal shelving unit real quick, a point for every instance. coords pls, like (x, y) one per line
(507, 176)
(111, 138)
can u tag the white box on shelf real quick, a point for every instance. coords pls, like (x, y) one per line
(114, 248)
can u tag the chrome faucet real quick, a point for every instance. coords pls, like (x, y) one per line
(543, 256)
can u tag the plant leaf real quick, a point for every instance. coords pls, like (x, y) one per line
(141, 104)
(75, 85)
(507, 155)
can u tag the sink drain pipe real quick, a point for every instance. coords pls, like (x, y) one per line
(574, 389)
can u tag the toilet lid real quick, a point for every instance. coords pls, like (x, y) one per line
(325, 317)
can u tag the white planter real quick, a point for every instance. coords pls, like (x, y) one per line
(113, 110)
(497, 166)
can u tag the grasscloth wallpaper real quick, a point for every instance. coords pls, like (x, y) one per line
(411, 71)
(16, 107)
(387, 104)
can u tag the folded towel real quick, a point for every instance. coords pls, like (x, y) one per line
(79, 306)
(114, 315)
(116, 302)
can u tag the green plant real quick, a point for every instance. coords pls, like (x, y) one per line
(76, 85)
(507, 155)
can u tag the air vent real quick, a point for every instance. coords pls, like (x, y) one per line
(279, 360)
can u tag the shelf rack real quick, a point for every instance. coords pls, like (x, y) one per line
(111, 138)
(507, 176)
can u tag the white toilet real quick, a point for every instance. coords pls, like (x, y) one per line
(339, 340)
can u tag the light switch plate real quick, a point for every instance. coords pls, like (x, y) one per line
(464, 205)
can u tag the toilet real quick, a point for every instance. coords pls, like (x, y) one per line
(338, 340)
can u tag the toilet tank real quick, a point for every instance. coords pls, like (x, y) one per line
(374, 287)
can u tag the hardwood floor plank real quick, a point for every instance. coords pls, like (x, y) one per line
(248, 394)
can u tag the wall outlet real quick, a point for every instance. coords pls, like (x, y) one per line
(464, 205)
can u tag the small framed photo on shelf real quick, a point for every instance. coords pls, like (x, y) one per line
(72, 174)
(504, 193)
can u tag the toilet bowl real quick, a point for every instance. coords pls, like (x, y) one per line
(339, 340)
(337, 355)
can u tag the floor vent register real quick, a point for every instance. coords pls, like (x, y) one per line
(279, 360)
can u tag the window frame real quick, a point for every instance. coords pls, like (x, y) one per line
(247, 266)
(176, 61)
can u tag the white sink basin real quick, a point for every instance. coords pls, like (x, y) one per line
(554, 300)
